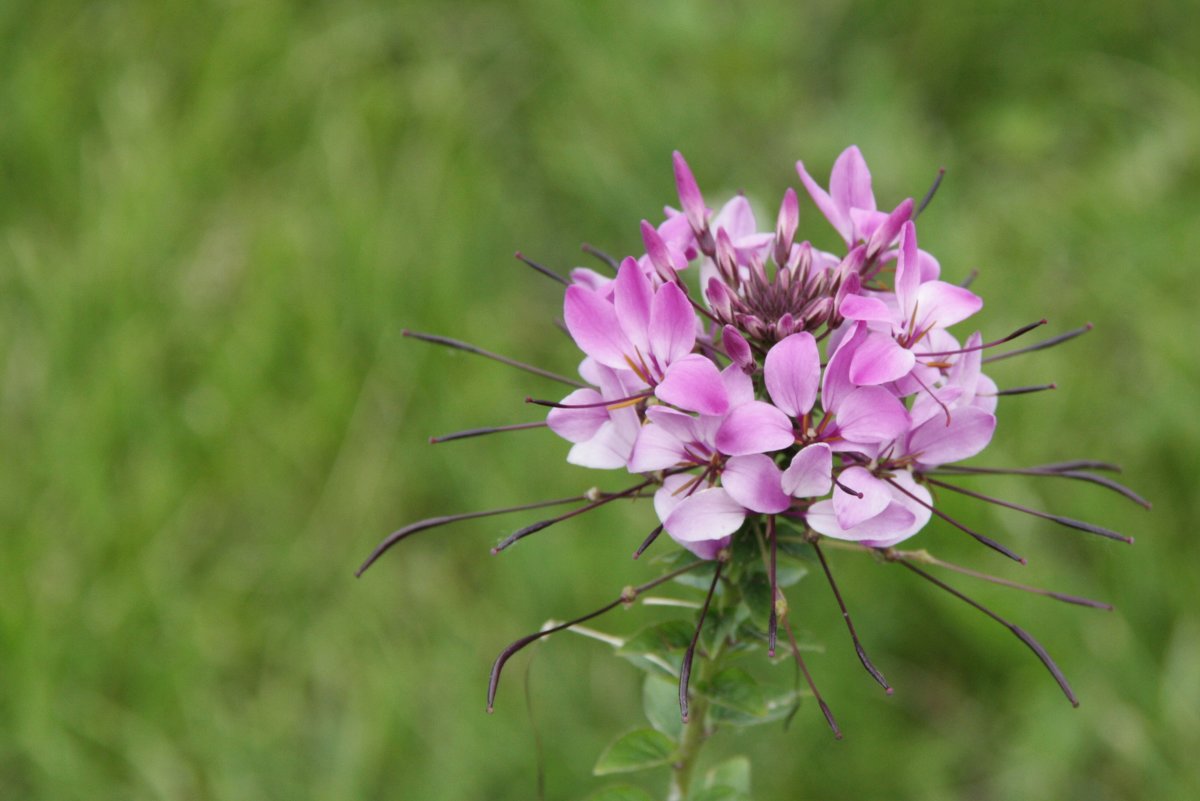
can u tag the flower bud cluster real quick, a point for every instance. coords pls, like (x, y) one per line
(792, 381)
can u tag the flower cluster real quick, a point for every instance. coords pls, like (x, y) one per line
(730, 399)
(748, 379)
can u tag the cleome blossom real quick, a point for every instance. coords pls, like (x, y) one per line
(751, 382)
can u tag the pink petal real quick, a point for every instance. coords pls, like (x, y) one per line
(655, 449)
(704, 521)
(850, 182)
(694, 384)
(737, 348)
(810, 475)
(736, 218)
(825, 204)
(608, 450)
(785, 226)
(852, 510)
(669, 495)
(672, 325)
(941, 305)
(592, 323)
(871, 415)
(889, 526)
(578, 425)
(754, 482)
(908, 271)
(754, 427)
(880, 359)
(632, 296)
(792, 371)
(861, 307)
(836, 383)
(890, 228)
(738, 385)
(969, 432)
(689, 193)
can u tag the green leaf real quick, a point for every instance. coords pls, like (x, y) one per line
(621, 792)
(733, 773)
(736, 690)
(659, 648)
(778, 707)
(756, 592)
(788, 574)
(636, 750)
(719, 793)
(660, 701)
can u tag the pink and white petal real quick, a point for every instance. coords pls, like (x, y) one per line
(656, 449)
(908, 271)
(592, 323)
(689, 192)
(836, 384)
(866, 222)
(694, 384)
(792, 371)
(941, 305)
(738, 349)
(738, 385)
(871, 415)
(632, 297)
(578, 425)
(810, 475)
(969, 432)
(887, 232)
(825, 205)
(669, 495)
(754, 427)
(916, 499)
(608, 450)
(852, 510)
(590, 279)
(930, 268)
(895, 519)
(672, 325)
(736, 218)
(850, 182)
(880, 359)
(704, 521)
(966, 371)
(863, 307)
(754, 482)
(925, 407)
(681, 425)
(985, 394)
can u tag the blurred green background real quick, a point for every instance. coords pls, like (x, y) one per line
(216, 218)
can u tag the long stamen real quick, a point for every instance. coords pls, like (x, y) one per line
(541, 524)
(541, 268)
(925, 201)
(479, 432)
(685, 669)
(610, 404)
(459, 345)
(988, 541)
(970, 279)
(1079, 464)
(928, 558)
(1019, 332)
(1078, 475)
(646, 543)
(825, 710)
(1025, 390)
(628, 596)
(858, 647)
(591, 250)
(1069, 522)
(932, 394)
(1047, 343)
(434, 522)
(1020, 633)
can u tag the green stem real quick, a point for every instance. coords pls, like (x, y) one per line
(693, 736)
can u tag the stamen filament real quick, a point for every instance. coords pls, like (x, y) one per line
(591, 250)
(434, 522)
(1047, 343)
(541, 524)
(619, 403)
(546, 271)
(1019, 332)
(988, 541)
(1020, 633)
(925, 201)
(1079, 475)
(646, 543)
(1025, 390)
(479, 432)
(825, 710)
(685, 669)
(628, 596)
(459, 345)
(858, 647)
(773, 620)
(1069, 522)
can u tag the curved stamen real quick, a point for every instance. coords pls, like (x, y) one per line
(988, 541)
(463, 346)
(521, 534)
(858, 647)
(541, 268)
(479, 432)
(1047, 343)
(609, 404)
(1019, 332)
(685, 669)
(825, 710)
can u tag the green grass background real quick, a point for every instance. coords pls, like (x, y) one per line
(216, 218)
